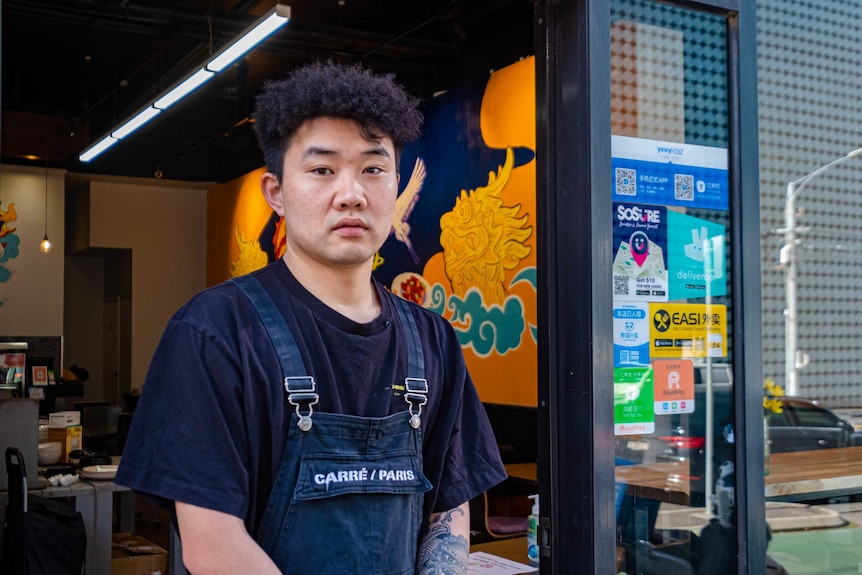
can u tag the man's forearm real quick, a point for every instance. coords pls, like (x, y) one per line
(445, 549)
(215, 543)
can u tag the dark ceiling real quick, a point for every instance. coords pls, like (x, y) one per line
(73, 69)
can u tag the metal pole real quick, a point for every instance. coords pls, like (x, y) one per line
(788, 259)
(709, 273)
(794, 360)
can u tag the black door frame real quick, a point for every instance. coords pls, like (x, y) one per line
(577, 523)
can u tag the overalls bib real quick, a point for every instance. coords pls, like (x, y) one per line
(348, 493)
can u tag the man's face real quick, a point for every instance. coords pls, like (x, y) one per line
(337, 193)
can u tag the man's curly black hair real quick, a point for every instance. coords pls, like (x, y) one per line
(380, 106)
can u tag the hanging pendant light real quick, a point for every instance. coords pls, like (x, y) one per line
(45, 245)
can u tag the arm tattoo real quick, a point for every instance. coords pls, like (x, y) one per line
(442, 552)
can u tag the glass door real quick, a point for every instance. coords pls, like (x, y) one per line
(649, 304)
(675, 420)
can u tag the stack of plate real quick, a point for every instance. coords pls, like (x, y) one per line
(106, 472)
(43, 431)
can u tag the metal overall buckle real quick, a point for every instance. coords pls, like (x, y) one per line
(416, 397)
(301, 393)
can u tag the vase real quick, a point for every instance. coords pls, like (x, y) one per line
(765, 446)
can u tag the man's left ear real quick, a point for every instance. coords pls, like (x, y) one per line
(271, 189)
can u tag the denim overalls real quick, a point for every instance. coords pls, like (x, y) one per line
(348, 494)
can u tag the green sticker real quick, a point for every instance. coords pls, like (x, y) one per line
(634, 402)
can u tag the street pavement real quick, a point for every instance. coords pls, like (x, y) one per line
(806, 539)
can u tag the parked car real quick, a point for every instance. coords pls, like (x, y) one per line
(803, 424)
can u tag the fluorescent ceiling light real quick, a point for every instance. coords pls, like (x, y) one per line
(269, 23)
(255, 35)
(97, 148)
(145, 116)
(184, 88)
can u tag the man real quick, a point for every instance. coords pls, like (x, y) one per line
(301, 418)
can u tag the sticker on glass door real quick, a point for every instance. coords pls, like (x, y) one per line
(669, 173)
(673, 386)
(640, 253)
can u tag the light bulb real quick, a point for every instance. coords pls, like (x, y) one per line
(45, 246)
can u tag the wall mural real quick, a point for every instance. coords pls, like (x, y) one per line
(8, 243)
(463, 233)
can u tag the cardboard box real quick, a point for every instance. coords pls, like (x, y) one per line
(72, 439)
(135, 555)
(65, 427)
(19, 427)
(61, 419)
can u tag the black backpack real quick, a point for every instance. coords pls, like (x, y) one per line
(42, 536)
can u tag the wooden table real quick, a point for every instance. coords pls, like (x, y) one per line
(513, 549)
(794, 476)
(525, 472)
(99, 547)
(814, 474)
(666, 481)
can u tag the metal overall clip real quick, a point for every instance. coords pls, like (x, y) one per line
(301, 393)
(416, 395)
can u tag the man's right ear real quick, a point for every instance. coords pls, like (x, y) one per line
(271, 189)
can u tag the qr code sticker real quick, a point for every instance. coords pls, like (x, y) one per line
(621, 285)
(683, 187)
(626, 182)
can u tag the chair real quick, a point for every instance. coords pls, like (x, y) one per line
(486, 527)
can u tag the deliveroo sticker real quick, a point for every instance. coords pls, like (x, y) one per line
(631, 334)
(633, 401)
(696, 257)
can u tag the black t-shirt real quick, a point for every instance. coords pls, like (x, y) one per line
(211, 423)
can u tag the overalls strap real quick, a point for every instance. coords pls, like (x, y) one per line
(276, 327)
(415, 384)
(300, 387)
(415, 357)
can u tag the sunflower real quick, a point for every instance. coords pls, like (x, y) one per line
(771, 392)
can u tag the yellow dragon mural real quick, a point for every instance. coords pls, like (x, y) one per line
(483, 239)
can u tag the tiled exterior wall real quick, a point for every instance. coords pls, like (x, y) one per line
(810, 113)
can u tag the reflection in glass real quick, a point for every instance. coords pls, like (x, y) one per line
(673, 386)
